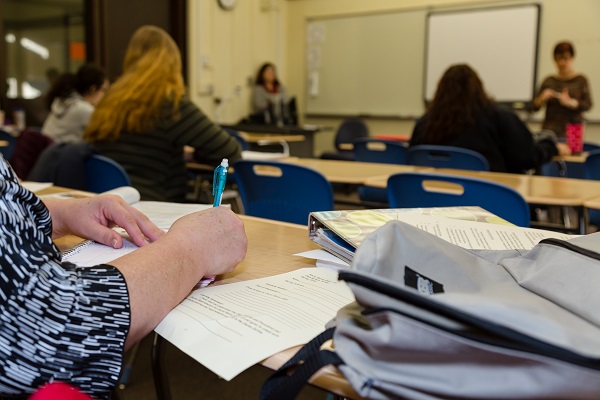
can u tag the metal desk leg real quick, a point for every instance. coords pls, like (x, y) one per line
(583, 220)
(161, 381)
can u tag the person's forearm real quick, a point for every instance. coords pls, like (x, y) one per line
(158, 277)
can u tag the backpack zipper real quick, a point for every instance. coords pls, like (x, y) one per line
(570, 246)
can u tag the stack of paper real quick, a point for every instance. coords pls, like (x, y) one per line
(341, 232)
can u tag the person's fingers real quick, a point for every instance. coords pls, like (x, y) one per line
(123, 217)
(148, 228)
(105, 235)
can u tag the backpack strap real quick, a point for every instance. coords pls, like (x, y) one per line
(290, 378)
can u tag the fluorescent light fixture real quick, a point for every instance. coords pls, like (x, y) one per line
(12, 87)
(10, 38)
(29, 92)
(35, 48)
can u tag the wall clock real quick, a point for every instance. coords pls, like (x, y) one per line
(227, 4)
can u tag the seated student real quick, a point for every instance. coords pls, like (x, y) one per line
(71, 101)
(146, 119)
(65, 323)
(463, 115)
(270, 102)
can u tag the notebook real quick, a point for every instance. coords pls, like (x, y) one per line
(163, 214)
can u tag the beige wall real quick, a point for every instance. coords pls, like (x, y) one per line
(226, 48)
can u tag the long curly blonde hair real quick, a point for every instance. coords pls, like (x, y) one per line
(151, 79)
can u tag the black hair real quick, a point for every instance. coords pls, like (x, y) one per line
(87, 77)
(564, 47)
(259, 77)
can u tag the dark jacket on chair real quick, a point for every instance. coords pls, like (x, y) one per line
(63, 164)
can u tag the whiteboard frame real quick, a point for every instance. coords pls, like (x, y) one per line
(516, 103)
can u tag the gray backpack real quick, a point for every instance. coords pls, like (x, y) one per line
(435, 321)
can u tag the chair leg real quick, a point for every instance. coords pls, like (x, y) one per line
(161, 381)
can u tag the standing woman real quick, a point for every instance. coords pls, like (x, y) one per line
(146, 119)
(71, 100)
(267, 90)
(566, 95)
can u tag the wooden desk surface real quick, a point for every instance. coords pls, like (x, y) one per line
(353, 172)
(534, 188)
(3, 143)
(574, 158)
(271, 245)
(256, 137)
(593, 203)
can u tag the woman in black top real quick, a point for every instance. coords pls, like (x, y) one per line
(463, 115)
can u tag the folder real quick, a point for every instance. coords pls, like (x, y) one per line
(470, 227)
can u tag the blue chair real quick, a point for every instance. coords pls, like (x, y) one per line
(8, 147)
(102, 174)
(591, 170)
(284, 192)
(446, 157)
(567, 169)
(408, 190)
(377, 151)
(349, 130)
(243, 142)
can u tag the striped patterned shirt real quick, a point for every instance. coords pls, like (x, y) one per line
(58, 322)
(154, 160)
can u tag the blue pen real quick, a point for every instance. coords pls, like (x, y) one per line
(219, 179)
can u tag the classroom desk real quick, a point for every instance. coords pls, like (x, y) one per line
(536, 189)
(303, 148)
(574, 158)
(593, 203)
(271, 245)
(258, 137)
(353, 172)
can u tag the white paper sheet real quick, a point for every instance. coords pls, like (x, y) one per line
(165, 214)
(231, 327)
(481, 236)
(324, 259)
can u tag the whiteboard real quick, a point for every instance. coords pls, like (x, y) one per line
(501, 44)
(376, 64)
(366, 64)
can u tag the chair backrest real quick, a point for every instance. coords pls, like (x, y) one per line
(349, 130)
(417, 189)
(7, 147)
(379, 151)
(30, 144)
(568, 169)
(591, 166)
(243, 142)
(280, 191)
(102, 174)
(588, 146)
(591, 170)
(446, 157)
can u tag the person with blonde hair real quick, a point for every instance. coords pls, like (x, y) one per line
(145, 120)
